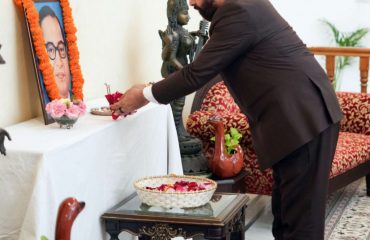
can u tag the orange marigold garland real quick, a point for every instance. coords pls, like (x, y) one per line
(39, 44)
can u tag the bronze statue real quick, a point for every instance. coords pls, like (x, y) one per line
(3, 133)
(178, 49)
(1, 58)
(178, 43)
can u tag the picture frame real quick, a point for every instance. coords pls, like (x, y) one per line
(57, 77)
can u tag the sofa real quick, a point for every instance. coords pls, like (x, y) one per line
(352, 156)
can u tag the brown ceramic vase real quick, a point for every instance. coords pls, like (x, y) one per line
(68, 211)
(222, 164)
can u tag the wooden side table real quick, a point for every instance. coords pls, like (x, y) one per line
(232, 185)
(222, 218)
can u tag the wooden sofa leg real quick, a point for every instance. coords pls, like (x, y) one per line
(368, 185)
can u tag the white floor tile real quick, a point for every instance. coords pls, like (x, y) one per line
(260, 229)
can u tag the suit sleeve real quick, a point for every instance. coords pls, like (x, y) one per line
(232, 34)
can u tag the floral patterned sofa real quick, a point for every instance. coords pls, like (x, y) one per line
(352, 157)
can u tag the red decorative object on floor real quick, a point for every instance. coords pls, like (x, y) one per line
(68, 211)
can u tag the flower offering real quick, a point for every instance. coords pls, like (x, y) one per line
(113, 98)
(173, 191)
(182, 186)
(65, 112)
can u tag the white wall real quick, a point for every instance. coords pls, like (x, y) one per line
(119, 44)
(346, 15)
(304, 16)
(18, 98)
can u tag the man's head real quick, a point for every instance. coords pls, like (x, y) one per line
(56, 49)
(206, 8)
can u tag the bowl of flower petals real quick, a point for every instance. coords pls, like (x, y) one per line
(175, 191)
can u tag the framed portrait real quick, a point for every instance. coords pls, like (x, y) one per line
(52, 51)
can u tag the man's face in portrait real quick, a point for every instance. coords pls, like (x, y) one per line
(56, 49)
(206, 8)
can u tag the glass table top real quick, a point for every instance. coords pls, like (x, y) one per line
(212, 209)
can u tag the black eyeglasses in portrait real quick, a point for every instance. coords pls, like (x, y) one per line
(52, 50)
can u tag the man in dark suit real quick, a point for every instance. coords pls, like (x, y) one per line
(290, 104)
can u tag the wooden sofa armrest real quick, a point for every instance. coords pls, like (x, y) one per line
(356, 111)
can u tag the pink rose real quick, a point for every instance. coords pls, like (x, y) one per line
(82, 107)
(49, 107)
(73, 111)
(56, 109)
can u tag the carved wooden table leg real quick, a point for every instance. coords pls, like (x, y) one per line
(112, 228)
(238, 226)
(113, 236)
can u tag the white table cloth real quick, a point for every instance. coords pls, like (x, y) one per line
(96, 161)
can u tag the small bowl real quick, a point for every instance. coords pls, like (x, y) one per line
(65, 122)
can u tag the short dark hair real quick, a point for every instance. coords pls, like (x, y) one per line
(47, 11)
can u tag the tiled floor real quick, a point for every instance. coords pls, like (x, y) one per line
(259, 218)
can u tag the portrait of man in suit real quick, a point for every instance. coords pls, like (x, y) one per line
(56, 47)
(51, 23)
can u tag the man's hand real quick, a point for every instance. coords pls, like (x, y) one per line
(132, 100)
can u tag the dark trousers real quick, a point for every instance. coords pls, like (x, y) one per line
(301, 187)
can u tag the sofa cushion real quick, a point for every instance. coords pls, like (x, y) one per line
(356, 112)
(352, 150)
(219, 100)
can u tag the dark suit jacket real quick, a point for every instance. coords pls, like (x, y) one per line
(270, 73)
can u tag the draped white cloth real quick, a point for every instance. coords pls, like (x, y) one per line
(96, 161)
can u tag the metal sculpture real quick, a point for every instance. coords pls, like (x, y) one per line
(3, 134)
(2, 61)
(179, 48)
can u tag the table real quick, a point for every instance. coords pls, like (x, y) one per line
(96, 161)
(221, 218)
(232, 185)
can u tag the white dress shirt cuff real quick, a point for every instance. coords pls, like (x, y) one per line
(148, 94)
